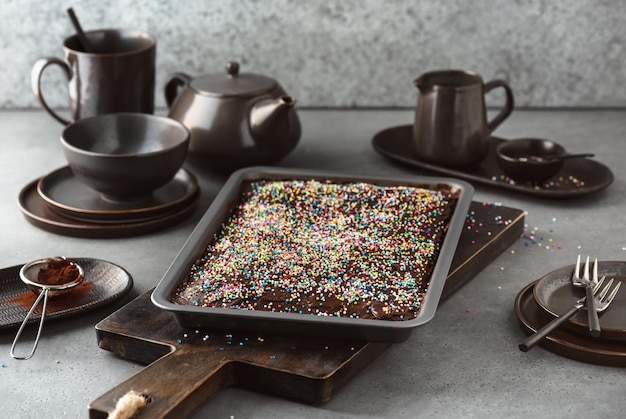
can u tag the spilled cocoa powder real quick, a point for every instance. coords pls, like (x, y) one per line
(78, 296)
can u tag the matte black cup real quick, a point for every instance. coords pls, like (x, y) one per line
(451, 127)
(117, 75)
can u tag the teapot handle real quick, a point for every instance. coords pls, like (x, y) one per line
(174, 82)
(35, 82)
(508, 106)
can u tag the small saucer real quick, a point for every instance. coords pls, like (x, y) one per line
(71, 198)
(577, 177)
(104, 283)
(562, 341)
(40, 214)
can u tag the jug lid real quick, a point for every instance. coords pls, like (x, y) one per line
(232, 83)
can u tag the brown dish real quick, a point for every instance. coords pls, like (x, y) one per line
(577, 177)
(555, 294)
(70, 197)
(291, 322)
(562, 341)
(38, 213)
(104, 282)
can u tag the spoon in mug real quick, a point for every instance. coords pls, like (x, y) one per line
(82, 38)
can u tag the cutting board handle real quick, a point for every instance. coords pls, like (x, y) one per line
(182, 375)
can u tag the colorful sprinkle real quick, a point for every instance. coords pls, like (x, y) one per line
(560, 182)
(353, 250)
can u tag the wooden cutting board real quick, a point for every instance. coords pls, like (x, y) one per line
(187, 367)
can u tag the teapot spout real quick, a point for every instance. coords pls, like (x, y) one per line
(273, 122)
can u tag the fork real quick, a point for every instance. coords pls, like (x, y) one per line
(577, 281)
(602, 297)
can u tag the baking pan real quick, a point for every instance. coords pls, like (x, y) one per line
(304, 324)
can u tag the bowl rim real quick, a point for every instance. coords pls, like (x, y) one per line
(184, 141)
(502, 148)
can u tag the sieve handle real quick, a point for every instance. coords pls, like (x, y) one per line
(43, 294)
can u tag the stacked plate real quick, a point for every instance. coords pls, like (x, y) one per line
(544, 299)
(60, 203)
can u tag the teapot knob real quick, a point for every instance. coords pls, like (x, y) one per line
(232, 68)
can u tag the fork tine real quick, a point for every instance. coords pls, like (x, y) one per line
(597, 286)
(605, 290)
(595, 271)
(577, 271)
(613, 293)
(586, 273)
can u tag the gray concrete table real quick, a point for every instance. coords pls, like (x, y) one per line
(464, 363)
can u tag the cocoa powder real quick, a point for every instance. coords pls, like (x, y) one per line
(58, 272)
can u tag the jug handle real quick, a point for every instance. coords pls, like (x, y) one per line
(174, 82)
(508, 106)
(35, 82)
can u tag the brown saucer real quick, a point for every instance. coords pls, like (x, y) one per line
(72, 198)
(555, 294)
(563, 342)
(38, 213)
(577, 177)
(104, 283)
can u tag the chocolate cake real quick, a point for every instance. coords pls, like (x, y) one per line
(320, 248)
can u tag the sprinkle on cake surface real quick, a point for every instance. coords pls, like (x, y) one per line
(321, 248)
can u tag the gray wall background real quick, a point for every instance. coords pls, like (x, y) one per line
(346, 53)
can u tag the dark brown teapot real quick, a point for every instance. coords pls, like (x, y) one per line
(235, 119)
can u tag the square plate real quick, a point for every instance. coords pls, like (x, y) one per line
(304, 324)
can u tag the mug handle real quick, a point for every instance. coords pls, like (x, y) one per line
(35, 82)
(174, 82)
(508, 106)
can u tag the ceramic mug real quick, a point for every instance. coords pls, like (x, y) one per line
(116, 75)
(451, 127)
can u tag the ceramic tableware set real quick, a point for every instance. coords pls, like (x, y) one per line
(452, 136)
(236, 119)
(125, 172)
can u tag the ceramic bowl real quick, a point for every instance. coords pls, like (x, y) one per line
(527, 159)
(125, 156)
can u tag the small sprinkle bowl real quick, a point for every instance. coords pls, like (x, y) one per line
(29, 274)
(533, 159)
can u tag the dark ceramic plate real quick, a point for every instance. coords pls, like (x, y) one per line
(577, 176)
(72, 198)
(562, 341)
(104, 283)
(555, 294)
(38, 213)
(294, 323)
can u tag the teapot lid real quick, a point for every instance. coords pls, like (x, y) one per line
(232, 83)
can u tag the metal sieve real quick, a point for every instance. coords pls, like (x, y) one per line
(29, 274)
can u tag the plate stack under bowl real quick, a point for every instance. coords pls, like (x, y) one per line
(61, 204)
(553, 294)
